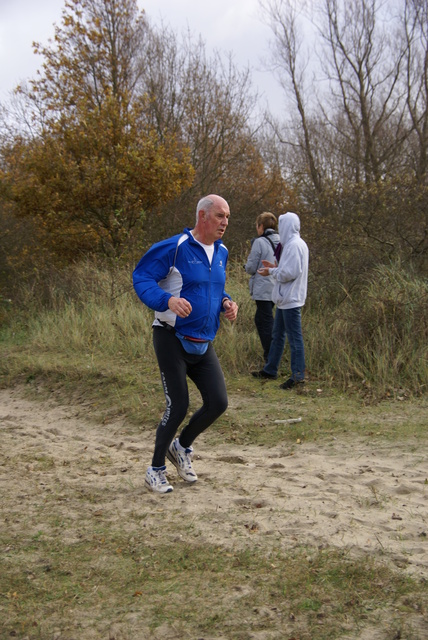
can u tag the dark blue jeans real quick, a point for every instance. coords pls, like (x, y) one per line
(287, 324)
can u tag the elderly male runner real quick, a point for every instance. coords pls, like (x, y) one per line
(183, 280)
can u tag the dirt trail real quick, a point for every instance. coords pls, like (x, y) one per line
(352, 494)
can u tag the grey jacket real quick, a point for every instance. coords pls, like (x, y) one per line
(291, 274)
(261, 287)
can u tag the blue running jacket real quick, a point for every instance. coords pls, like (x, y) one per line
(179, 266)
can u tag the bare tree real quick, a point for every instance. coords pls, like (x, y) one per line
(350, 146)
(415, 22)
(205, 100)
(291, 68)
(363, 62)
(348, 97)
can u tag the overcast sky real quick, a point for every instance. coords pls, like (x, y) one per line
(228, 25)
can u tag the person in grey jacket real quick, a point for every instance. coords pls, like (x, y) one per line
(262, 248)
(289, 295)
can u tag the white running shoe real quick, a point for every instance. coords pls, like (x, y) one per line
(156, 480)
(181, 458)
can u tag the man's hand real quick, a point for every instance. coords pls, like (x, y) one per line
(180, 306)
(230, 309)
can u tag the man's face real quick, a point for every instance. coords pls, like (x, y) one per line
(216, 221)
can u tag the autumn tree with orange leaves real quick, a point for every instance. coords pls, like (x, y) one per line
(86, 163)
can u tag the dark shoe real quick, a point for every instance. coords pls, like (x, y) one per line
(262, 374)
(290, 383)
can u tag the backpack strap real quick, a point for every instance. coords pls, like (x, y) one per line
(270, 242)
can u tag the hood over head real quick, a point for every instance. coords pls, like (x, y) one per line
(288, 226)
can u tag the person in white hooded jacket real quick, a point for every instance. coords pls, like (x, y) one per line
(289, 295)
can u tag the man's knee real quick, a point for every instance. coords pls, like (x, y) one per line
(221, 404)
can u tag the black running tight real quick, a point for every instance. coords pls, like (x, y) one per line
(205, 371)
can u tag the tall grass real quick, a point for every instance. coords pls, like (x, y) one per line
(375, 340)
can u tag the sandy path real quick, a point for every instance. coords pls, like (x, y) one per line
(356, 495)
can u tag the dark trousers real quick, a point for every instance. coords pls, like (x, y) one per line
(264, 324)
(205, 371)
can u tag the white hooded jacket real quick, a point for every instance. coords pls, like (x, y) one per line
(291, 274)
